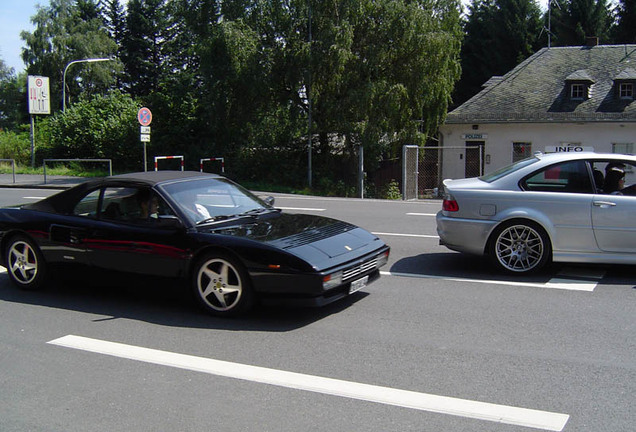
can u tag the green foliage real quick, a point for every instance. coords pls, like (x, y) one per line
(392, 191)
(16, 146)
(101, 127)
(577, 19)
(625, 31)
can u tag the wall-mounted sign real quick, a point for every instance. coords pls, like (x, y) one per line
(475, 136)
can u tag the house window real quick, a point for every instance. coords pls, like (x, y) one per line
(626, 91)
(578, 91)
(521, 150)
(623, 148)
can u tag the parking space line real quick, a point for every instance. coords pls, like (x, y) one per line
(555, 283)
(544, 420)
(405, 235)
(301, 209)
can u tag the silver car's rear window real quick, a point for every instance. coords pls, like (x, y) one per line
(502, 172)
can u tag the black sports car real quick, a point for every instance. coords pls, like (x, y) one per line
(232, 247)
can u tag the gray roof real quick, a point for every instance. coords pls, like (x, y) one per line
(536, 91)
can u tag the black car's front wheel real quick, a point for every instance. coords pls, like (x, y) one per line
(221, 286)
(520, 247)
(25, 263)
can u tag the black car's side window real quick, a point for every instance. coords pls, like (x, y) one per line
(87, 206)
(133, 205)
(570, 177)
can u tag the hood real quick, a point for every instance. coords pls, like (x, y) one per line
(301, 234)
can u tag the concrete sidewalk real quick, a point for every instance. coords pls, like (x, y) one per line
(38, 181)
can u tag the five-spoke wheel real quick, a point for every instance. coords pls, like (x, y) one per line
(25, 263)
(221, 285)
(520, 247)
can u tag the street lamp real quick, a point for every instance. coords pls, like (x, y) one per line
(88, 60)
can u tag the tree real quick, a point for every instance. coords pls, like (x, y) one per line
(499, 34)
(100, 126)
(13, 100)
(625, 29)
(575, 20)
(69, 30)
(142, 45)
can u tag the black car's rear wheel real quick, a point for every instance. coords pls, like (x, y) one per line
(221, 286)
(520, 247)
(25, 263)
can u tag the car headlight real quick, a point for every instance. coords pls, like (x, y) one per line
(382, 259)
(332, 280)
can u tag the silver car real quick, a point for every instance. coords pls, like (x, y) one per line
(564, 207)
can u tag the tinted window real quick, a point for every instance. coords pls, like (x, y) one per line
(570, 177)
(501, 172)
(87, 205)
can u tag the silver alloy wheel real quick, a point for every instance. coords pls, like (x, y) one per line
(23, 262)
(520, 248)
(219, 285)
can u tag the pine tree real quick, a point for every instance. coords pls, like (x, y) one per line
(575, 20)
(625, 29)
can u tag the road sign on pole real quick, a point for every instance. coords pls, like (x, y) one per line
(39, 97)
(144, 116)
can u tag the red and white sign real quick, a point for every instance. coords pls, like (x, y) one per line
(38, 93)
(144, 116)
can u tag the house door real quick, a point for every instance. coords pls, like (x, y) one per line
(474, 158)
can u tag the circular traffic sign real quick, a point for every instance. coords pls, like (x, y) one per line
(144, 116)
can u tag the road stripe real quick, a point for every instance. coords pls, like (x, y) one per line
(301, 209)
(403, 398)
(554, 283)
(421, 214)
(406, 235)
(33, 197)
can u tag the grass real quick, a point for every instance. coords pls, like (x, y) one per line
(71, 170)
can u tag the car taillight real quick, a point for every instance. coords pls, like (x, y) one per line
(450, 205)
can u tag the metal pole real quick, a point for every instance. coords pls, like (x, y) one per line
(89, 60)
(361, 170)
(309, 174)
(32, 142)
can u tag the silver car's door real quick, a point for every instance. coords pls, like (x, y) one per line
(614, 222)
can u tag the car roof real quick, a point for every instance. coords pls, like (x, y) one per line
(60, 202)
(156, 177)
(564, 156)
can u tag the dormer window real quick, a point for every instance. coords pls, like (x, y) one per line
(580, 84)
(578, 91)
(626, 91)
(624, 84)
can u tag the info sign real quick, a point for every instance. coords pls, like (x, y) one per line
(38, 94)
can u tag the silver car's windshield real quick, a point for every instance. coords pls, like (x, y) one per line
(501, 172)
(213, 199)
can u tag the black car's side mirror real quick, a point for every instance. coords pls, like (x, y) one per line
(168, 221)
(269, 201)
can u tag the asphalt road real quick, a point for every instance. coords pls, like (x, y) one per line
(439, 343)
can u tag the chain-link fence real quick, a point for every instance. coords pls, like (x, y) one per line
(424, 168)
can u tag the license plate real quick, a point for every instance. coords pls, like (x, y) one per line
(357, 285)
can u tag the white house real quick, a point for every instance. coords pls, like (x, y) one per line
(559, 99)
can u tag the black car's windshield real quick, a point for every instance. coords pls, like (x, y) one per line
(501, 172)
(213, 199)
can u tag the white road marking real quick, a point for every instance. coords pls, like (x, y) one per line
(403, 398)
(33, 197)
(554, 283)
(405, 235)
(301, 209)
(421, 214)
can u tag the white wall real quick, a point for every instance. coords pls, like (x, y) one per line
(599, 137)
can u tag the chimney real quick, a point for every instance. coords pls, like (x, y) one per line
(591, 41)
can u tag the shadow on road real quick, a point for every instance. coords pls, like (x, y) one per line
(163, 303)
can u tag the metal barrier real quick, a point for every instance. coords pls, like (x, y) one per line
(110, 163)
(167, 157)
(12, 166)
(212, 160)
